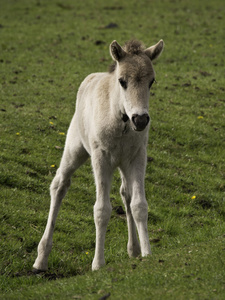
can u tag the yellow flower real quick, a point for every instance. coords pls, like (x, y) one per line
(200, 117)
(193, 197)
(61, 133)
(86, 252)
(52, 166)
(17, 133)
(51, 123)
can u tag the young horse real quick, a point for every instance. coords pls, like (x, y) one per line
(111, 125)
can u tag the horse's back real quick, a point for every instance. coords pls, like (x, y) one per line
(90, 85)
(93, 116)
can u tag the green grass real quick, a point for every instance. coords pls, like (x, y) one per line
(46, 49)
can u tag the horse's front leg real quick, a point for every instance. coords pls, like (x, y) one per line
(102, 207)
(135, 174)
(133, 246)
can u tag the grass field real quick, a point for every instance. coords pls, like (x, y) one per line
(46, 49)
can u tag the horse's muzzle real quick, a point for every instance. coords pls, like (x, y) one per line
(140, 121)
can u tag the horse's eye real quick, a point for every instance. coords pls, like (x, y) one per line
(151, 83)
(123, 83)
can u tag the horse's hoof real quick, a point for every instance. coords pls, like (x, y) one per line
(36, 271)
(97, 265)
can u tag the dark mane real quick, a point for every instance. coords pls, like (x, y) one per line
(112, 67)
(133, 47)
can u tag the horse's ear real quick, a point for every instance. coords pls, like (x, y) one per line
(116, 51)
(154, 52)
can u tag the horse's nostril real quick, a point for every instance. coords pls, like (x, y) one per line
(140, 122)
(134, 118)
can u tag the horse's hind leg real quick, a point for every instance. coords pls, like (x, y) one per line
(133, 247)
(73, 157)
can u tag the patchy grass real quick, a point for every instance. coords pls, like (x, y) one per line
(46, 50)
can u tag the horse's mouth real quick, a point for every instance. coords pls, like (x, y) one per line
(137, 122)
(140, 122)
(138, 129)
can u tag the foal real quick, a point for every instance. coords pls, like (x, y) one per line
(110, 124)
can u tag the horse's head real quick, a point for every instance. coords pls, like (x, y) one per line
(135, 75)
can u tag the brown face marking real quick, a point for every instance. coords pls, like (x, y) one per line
(136, 69)
(134, 49)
